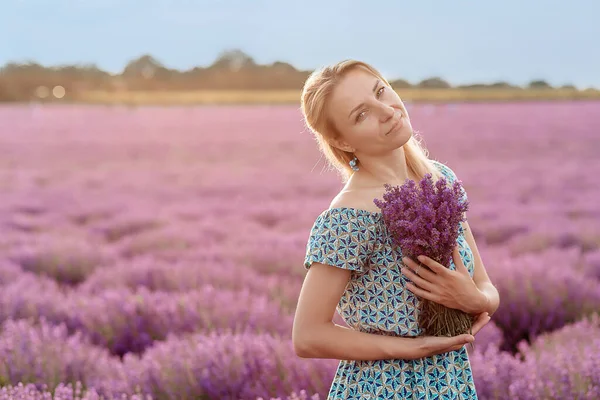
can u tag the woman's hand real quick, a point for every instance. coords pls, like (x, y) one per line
(430, 345)
(453, 289)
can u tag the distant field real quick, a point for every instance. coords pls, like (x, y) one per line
(162, 248)
(293, 96)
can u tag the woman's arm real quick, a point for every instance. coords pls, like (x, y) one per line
(314, 334)
(491, 297)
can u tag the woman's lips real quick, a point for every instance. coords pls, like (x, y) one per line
(398, 124)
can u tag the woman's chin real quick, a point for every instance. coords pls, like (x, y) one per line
(403, 135)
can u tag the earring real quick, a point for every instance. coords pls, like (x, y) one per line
(353, 163)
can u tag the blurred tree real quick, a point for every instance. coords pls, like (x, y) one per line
(504, 85)
(233, 69)
(145, 66)
(568, 87)
(495, 85)
(281, 68)
(434, 83)
(400, 84)
(233, 60)
(6, 93)
(539, 84)
(146, 72)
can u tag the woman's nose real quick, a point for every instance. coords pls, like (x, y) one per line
(387, 112)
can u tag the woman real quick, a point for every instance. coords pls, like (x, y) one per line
(364, 130)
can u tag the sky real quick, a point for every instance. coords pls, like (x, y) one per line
(460, 41)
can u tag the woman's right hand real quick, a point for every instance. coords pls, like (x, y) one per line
(430, 345)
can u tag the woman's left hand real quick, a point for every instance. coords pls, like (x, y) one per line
(453, 289)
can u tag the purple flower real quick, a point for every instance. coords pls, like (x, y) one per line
(539, 295)
(67, 260)
(130, 320)
(62, 391)
(45, 354)
(227, 366)
(302, 395)
(424, 219)
(562, 364)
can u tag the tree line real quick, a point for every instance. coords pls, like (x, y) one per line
(232, 70)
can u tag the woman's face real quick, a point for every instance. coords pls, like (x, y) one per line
(369, 115)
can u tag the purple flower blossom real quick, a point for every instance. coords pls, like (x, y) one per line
(424, 219)
(72, 172)
(562, 364)
(9, 272)
(61, 392)
(67, 260)
(489, 336)
(538, 295)
(227, 367)
(302, 395)
(130, 321)
(591, 264)
(43, 353)
(125, 320)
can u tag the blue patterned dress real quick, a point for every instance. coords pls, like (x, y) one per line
(377, 301)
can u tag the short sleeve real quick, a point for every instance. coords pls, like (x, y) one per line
(451, 177)
(343, 238)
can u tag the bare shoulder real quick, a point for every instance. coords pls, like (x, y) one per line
(360, 199)
(445, 169)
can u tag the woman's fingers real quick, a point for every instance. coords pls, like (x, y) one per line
(465, 338)
(445, 344)
(456, 341)
(462, 340)
(480, 322)
(442, 344)
(453, 348)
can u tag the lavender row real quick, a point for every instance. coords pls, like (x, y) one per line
(66, 259)
(302, 395)
(560, 365)
(45, 354)
(538, 295)
(213, 366)
(190, 272)
(61, 392)
(9, 272)
(71, 258)
(539, 292)
(125, 321)
(184, 273)
(510, 187)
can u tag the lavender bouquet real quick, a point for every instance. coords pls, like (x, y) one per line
(425, 219)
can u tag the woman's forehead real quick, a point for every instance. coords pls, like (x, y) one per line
(354, 86)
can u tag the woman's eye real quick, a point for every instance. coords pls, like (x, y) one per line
(380, 91)
(360, 116)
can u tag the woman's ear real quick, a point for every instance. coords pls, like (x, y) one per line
(342, 145)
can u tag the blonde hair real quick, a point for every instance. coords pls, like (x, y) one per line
(315, 96)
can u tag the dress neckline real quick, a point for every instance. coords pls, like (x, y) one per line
(356, 210)
(379, 213)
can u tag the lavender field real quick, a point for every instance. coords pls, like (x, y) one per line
(157, 252)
